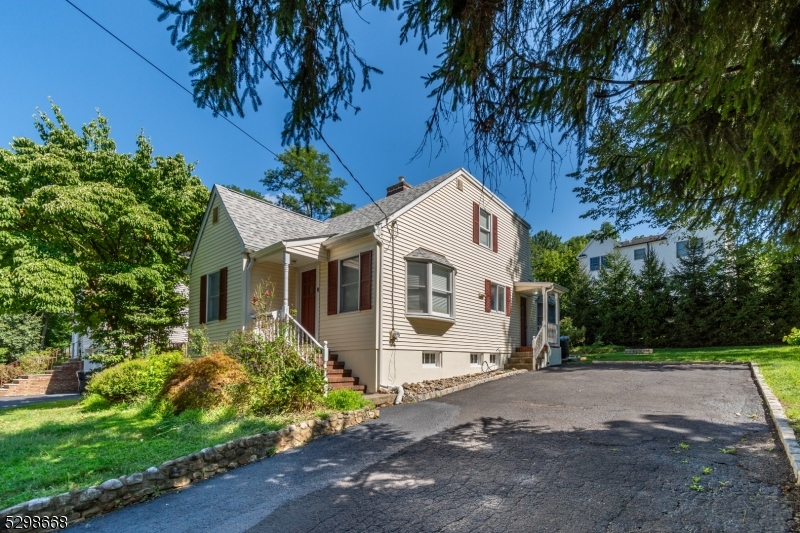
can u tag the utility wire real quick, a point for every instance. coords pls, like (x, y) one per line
(226, 119)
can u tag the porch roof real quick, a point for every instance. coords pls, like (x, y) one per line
(534, 287)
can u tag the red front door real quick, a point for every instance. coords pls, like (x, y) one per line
(523, 321)
(308, 301)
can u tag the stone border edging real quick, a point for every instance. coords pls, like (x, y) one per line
(785, 431)
(436, 394)
(81, 504)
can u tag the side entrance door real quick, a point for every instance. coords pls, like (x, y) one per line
(308, 301)
(523, 321)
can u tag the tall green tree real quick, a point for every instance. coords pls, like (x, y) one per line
(617, 301)
(304, 183)
(19, 334)
(691, 109)
(103, 234)
(654, 313)
(697, 306)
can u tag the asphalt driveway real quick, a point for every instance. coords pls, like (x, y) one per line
(573, 448)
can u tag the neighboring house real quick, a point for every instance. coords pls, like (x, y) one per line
(668, 247)
(82, 345)
(429, 282)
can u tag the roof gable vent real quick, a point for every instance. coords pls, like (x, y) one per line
(400, 186)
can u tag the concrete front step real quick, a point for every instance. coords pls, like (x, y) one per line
(518, 366)
(338, 386)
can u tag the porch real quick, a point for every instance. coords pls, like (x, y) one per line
(542, 348)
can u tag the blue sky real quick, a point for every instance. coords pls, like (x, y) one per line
(52, 51)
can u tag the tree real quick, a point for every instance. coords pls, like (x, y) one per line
(88, 230)
(305, 185)
(557, 261)
(249, 192)
(697, 303)
(617, 302)
(19, 334)
(691, 109)
(655, 302)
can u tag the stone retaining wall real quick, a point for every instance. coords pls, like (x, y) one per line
(442, 392)
(79, 505)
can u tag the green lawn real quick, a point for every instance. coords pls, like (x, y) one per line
(51, 448)
(779, 364)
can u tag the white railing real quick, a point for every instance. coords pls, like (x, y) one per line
(277, 325)
(539, 343)
(552, 333)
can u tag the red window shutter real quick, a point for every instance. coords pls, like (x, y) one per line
(333, 289)
(487, 301)
(203, 295)
(223, 293)
(494, 233)
(476, 227)
(508, 301)
(365, 282)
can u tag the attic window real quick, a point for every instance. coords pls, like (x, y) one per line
(215, 215)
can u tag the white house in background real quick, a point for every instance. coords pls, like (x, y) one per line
(81, 345)
(431, 281)
(668, 247)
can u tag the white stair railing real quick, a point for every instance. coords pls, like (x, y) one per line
(539, 343)
(310, 350)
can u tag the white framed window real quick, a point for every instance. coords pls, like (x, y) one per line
(348, 284)
(429, 289)
(431, 359)
(493, 358)
(475, 359)
(596, 262)
(485, 223)
(638, 254)
(212, 297)
(498, 297)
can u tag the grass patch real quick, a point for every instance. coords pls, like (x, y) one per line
(54, 447)
(780, 366)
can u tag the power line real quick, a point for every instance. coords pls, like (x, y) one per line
(179, 84)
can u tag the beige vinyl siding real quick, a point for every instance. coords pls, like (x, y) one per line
(442, 223)
(219, 247)
(351, 335)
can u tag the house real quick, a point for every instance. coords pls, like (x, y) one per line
(431, 281)
(668, 247)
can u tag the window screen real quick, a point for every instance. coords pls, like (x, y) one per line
(349, 285)
(417, 287)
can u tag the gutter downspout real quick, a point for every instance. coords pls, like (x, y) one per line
(379, 306)
(248, 265)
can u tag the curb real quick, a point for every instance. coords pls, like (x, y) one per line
(785, 431)
(82, 504)
(449, 390)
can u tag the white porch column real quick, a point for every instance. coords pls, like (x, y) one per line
(558, 317)
(286, 261)
(545, 313)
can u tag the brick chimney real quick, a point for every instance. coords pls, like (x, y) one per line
(400, 186)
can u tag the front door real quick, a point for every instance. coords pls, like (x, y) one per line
(523, 321)
(308, 301)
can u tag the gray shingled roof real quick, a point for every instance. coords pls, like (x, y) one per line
(369, 215)
(262, 224)
(642, 240)
(427, 255)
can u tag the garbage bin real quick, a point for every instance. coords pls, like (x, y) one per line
(564, 343)
(82, 377)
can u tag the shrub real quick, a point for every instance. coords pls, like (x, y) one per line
(345, 400)
(205, 383)
(136, 379)
(577, 336)
(9, 372)
(198, 345)
(793, 338)
(295, 389)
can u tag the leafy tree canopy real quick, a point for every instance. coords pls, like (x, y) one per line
(85, 228)
(690, 111)
(249, 192)
(305, 185)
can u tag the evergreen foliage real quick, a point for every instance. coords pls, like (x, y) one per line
(655, 311)
(95, 234)
(304, 183)
(689, 110)
(617, 302)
